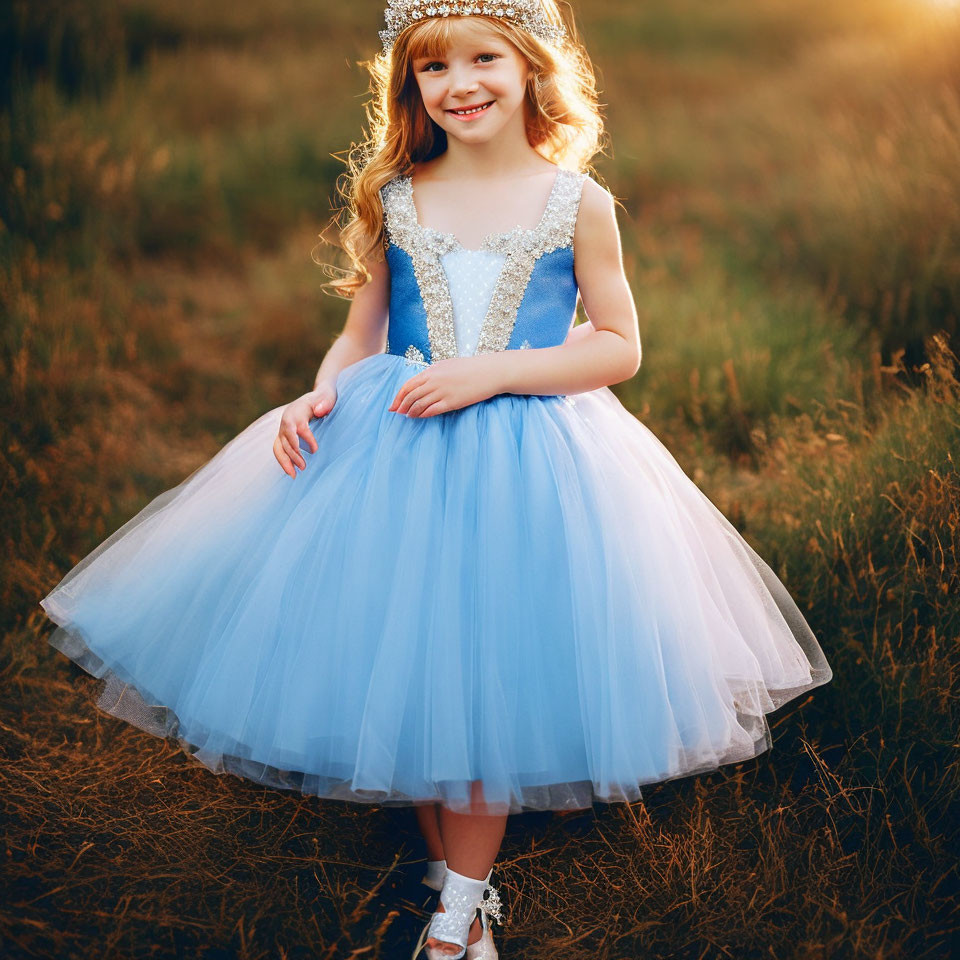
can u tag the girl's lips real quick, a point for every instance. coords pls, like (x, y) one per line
(470, 116)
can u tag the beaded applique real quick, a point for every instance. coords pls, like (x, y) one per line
(414, 355)
(491, 905)
(521, 246)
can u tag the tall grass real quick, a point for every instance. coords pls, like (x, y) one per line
(828, 152)
(790, 205)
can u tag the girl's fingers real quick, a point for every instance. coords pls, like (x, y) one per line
(420, 404)
(293, 444)
(408, 387)
(282, 458)
(304, 431)
(435, 407)
(293, 451)
(412, 397)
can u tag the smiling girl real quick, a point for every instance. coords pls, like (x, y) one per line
(491, 589)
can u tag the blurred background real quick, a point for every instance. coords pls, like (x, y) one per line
(788, 171)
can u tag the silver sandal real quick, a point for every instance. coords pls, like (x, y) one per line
(461, 897)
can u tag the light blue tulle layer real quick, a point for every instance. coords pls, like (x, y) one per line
(527, 592)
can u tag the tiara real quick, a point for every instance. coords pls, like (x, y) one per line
(527, 14)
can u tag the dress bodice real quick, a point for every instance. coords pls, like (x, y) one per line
(517, 290)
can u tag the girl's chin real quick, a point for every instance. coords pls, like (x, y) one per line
(477, 130)
(470, 134)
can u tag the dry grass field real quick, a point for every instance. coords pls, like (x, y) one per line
(791, 223)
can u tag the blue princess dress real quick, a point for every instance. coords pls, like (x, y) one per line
(527, 591)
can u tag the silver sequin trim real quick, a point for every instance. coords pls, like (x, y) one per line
(425, 247)
(522, 248)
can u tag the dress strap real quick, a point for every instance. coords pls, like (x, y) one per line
(399, 213)
(560, 218)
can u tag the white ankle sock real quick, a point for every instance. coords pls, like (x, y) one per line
(464, 886)
(435, 869)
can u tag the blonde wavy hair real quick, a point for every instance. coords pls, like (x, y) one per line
(563, 122)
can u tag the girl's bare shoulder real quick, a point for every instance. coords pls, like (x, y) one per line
(597, 213)
(595, 196)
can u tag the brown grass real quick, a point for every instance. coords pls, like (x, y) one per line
(789, 230)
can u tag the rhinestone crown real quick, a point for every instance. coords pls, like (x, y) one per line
(527, 14)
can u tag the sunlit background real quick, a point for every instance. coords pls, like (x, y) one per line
(788, 171)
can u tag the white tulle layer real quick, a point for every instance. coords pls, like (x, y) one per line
(527, 592)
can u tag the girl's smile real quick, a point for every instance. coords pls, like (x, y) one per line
(471, 112)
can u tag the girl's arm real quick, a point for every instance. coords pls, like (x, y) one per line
(608, 350)
(578, 331)
(365, 330)
(364, 334)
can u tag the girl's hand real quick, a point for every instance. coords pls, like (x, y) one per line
(294, 424)
(448, 385)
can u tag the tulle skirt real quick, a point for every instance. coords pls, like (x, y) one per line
(527, 592)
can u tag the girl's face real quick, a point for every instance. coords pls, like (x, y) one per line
(477, 86)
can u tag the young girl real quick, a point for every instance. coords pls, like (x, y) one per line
(491, 589)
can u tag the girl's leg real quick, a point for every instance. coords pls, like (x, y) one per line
(430, 828)
(471, 842)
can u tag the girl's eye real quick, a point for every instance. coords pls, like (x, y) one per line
(428, 68)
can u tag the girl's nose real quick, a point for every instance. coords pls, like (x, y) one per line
(462, 81)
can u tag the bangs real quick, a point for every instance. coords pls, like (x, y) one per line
(432, 37)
